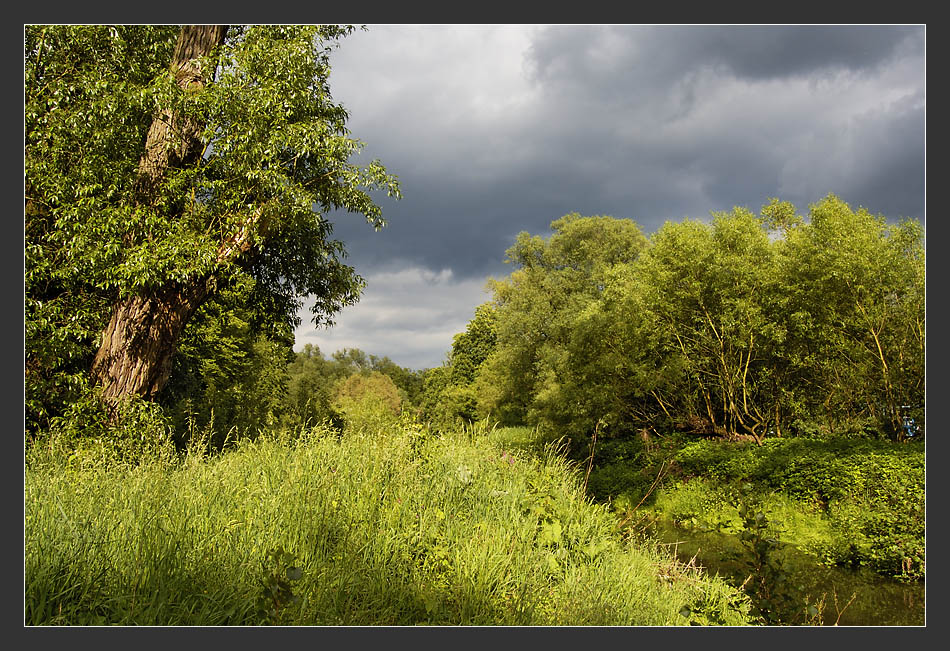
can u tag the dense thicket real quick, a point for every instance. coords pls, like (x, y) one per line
(230, 373)
(752, 325)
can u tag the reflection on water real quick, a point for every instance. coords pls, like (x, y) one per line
(878, 601)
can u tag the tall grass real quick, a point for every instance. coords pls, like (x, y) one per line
(377, 526)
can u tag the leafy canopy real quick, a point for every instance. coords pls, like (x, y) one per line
(254, 210)
(753, 325)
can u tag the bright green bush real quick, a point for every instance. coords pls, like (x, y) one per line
(872, 492)
(367, 400)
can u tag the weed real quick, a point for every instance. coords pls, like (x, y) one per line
(276, 591)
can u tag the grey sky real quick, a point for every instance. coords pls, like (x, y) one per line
(494, 130)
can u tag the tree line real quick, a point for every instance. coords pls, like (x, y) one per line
(750, 325)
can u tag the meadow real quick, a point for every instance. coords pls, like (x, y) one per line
(380, 524)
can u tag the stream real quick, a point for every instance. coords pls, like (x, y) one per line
(878, 601)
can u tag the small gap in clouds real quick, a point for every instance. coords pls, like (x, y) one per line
(408, 314)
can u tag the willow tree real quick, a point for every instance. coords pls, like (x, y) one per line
(162, 163)
(855, 306)
(530, 374)
(707, 291)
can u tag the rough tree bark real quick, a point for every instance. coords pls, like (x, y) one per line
(140, 340)
(135, 357)
(174, 140)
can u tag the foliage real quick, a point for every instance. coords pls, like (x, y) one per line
(532, 376)
(851, 503)
(775, 599)
(853, 297)
(89, 436)
(310, 384)
(275, 148)
(744, 325)
(708, 290)
(472, 347)
(230, 373)
(370, 399)
(870, 493)
(313, 380)
(277, 587)
(761, 571)
(70, 172)
(450, 392)
(434, 407)
(408, 382)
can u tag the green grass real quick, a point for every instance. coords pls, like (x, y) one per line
(379, 526)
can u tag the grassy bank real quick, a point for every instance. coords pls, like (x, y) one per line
(379, 526)
(846, 502)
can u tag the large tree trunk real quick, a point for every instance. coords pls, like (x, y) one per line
(135, 357)
(173, 140)
(138, 344)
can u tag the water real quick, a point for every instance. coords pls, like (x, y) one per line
(878, 601)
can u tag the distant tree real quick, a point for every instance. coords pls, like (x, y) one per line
(163, 164)
(434, 406)
(408, 381)
(373, 386)
(370, 399)
(311, 380)
(472, 347)
(351, 360)
(449, 394)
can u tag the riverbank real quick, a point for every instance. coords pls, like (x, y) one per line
(842, 596)
(855, 503)
(851, 510)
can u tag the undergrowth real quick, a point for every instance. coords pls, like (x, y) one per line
(853, 503)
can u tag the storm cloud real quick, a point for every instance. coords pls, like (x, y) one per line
(494, 130)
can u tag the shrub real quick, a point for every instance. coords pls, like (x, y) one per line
(88, 435)
(367, 400)
(872, 491)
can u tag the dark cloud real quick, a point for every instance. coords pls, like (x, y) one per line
(634, 59)
(889, 153)
(726, 115)
(779, 51)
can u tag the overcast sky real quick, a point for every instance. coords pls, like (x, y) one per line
(493, 130)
